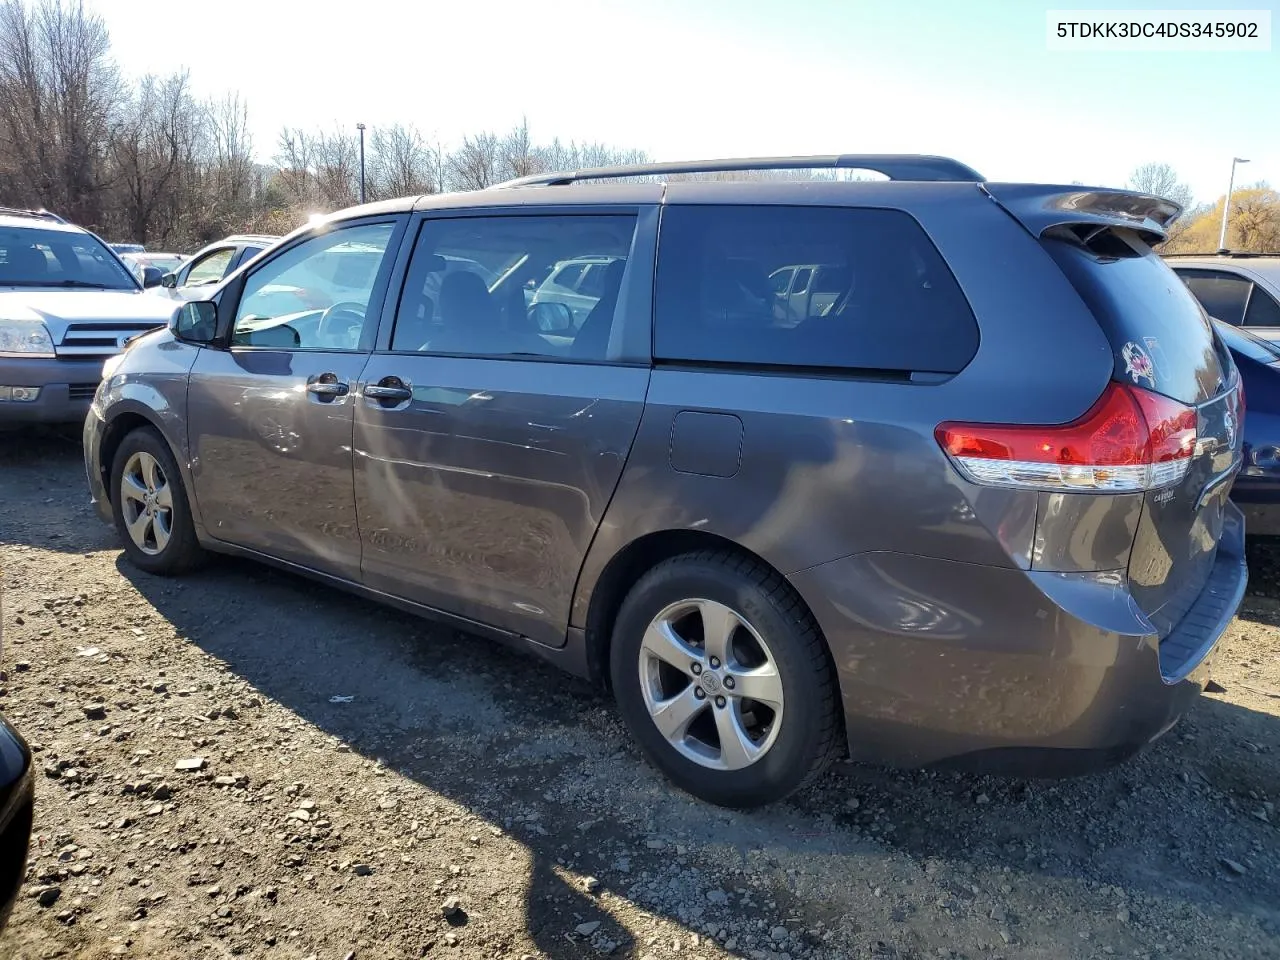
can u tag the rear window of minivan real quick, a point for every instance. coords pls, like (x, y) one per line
(886, 301)
(1159, 336)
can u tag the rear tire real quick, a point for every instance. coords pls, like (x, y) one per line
(150, 505)
(696, 635)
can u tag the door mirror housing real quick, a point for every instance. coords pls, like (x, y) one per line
(195, 322)
(152, 276)
(169, 281)
(551, 317)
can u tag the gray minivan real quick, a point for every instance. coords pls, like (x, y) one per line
(969, 509)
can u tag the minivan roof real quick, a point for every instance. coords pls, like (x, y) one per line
(912, 179)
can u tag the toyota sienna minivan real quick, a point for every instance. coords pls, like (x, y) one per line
(965, 504)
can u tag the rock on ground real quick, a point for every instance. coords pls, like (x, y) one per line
(458, 773)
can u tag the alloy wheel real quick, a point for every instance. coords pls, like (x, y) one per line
(710, 684)
(146, 500)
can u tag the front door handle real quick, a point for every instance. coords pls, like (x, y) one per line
(325, 389)
(388, 391)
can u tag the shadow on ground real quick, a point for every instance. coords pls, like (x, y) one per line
(544, 757)
(48, 462)
(431, 703)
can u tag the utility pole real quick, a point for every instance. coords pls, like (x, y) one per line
(1226, 204)
(360, 127)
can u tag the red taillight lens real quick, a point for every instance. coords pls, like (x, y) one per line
(1130, 440)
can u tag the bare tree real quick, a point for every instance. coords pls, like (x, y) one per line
(152, 145)
(57, 89)
(230, 164)
(337, 168)
(1161, 180)
(399, 164)
(295, 157)
(519, 157)
(474, 165)
(1255, 219)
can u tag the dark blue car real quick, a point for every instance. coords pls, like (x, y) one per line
(1257, 486)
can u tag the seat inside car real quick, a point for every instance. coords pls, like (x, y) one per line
(23, 263)
(592, 341)
(471, 321)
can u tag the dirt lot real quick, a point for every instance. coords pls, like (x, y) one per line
(369, 785)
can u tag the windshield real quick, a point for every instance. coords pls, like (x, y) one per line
(58, 258)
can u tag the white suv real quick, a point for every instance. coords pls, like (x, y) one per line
(67, 303)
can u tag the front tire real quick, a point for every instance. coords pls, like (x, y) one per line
(150, 506)
(723, 677)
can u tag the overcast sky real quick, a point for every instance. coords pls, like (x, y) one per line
(713, 78)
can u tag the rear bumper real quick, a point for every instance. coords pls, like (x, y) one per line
(1009, 671)
(16, 807)
(66, 389)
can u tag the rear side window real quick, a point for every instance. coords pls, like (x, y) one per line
(1158, 333)
(886, 300)
(1223, 295)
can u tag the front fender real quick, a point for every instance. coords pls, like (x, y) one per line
(148, 384)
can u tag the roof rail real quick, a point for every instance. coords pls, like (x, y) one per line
(36, 214)
(895, 166)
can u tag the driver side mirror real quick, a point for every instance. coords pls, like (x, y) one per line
(169, 281)
(151, 277)
(551, 317)
(195, 322)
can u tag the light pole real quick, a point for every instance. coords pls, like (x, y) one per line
(360, 127)
(1226, 204)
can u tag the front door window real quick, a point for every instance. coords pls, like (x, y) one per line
(315, 295)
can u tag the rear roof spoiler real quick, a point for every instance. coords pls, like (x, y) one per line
(1040, 207)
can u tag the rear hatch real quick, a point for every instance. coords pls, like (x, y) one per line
(1166, 430)
(1164, 345)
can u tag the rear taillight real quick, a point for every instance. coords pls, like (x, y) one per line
(1130, 440)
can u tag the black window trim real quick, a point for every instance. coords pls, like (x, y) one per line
(1217, 273)
(915, 377)
(227, 308)
(205, 255)
(635, 299)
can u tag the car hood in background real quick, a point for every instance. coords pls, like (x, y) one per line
(58, 308)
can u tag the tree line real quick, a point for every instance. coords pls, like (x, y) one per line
(149, 161)
(1253, 223)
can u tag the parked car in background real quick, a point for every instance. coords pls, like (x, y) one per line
(128, 247)
(1257, 487)
(1242, 289)
(67, 302)
(207, 266)
(17, 801)
(807, 290)
(971, 510)
(578, 284)
(160, 264)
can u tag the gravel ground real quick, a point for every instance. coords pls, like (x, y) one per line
(245, 763)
